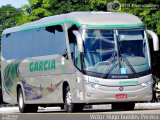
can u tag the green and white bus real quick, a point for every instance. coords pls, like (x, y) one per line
(79, 58)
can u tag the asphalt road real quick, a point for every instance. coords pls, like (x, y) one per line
(146, 111)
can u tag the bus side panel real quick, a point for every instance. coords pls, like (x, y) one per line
(42, 78)
(9, 80)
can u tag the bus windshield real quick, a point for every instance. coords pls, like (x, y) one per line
(115, 51)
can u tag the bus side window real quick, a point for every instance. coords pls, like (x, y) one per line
(60, 41)
(77, 57)
(75, 54)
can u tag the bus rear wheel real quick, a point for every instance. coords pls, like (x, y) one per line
(24, 108)
(69, 106)
(123, 106)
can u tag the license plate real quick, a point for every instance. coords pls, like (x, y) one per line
(119, 96)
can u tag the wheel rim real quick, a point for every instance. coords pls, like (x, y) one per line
(68, 98)
(20, 100)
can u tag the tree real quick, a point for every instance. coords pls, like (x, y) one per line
(9, 17)
(148, 11)
(37, 9)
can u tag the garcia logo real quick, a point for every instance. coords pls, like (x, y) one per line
(128, 82)
(42, 65)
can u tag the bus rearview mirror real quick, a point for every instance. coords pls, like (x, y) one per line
(155, 39)
(79, 40)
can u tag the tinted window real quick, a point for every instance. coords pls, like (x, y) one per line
(32, 43)
(60, 41)
(11, 47)
(16, 45)
(75, 54)
(26, 43)
(43, 42)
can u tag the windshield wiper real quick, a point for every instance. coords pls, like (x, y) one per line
(113, 63)
(125, 60)
(128, 63)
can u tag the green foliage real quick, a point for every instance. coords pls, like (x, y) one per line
(36, 9)
(9, 17)
(98, 4)
(149, 15)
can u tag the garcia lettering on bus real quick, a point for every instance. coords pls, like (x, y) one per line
(42, 65)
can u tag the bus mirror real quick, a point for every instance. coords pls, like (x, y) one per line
(155, 39)
(79, 40)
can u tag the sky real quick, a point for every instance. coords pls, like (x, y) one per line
(15, 3)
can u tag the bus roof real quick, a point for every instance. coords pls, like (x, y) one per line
(86, 19)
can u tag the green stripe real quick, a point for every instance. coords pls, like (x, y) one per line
(88, 26)
(52, 24)
(116, 26)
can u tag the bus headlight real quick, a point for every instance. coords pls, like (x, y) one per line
(145, 84)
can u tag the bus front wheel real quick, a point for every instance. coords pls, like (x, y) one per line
(69, 106)
(24, 108)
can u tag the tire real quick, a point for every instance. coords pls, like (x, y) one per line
(69, 106)
(123, 106)
(24, 108)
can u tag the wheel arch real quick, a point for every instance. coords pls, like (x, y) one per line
(64, 86)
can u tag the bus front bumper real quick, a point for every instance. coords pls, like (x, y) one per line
(141, 94)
